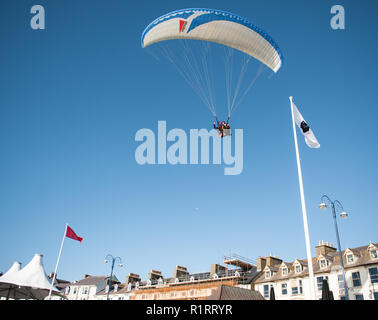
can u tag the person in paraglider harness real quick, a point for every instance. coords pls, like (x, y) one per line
(223, 128)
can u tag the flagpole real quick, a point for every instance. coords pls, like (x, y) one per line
(57, 262)
(304, 213)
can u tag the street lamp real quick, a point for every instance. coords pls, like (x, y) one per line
(336, 206)
(109, 256)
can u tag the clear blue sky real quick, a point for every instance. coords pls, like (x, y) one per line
(73, 96)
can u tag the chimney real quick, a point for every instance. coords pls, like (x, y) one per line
(273, 261)
(216, 268)
(180, 272)
(154, 275)
(324, 248)
(132, 277)
(261, 263)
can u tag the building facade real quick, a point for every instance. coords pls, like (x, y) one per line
(186, 286)
(290, 280)
(182, 286)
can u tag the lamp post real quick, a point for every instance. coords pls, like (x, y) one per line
(336, 206)
(107, 258)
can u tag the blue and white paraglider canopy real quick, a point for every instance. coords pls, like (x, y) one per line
(216, 26)
(211, 25)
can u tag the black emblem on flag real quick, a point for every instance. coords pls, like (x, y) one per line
(304, 126)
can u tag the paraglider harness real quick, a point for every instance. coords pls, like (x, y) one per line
(223, 128)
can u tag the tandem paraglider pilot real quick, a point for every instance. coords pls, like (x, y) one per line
(223, 128)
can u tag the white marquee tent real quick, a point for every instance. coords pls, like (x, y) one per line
(16, 266)
(30, 282)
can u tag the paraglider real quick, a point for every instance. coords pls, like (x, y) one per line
(199, 31)
(223, 128)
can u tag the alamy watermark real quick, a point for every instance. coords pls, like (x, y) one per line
(153, 150)
(338, 18)
(37, 22)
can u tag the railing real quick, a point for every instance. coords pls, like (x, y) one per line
(235, 256)
(244, 277)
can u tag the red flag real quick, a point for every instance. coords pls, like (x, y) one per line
(71, 234)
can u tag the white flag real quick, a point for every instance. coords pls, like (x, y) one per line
(309, 136)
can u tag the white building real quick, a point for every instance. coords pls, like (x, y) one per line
(117, 292)
(89, 287)
(290, 280)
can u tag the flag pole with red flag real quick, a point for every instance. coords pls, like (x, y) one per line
(69, 233)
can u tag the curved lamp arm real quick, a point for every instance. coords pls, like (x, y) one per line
(338, 206)
(326, 201)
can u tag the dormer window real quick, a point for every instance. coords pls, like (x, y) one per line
(267, 274)
(374, 253)
(323, 263)
(284, 271)
(298, 268)
(350, 258)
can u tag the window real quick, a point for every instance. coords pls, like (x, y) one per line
(356, 279)
(74, 290)
(267, 274)
(300, 287)
(350, 258)
(359, 297)
(323, 263)
(294, 290)
(284, 289)
(340, 279)
(298, 268)
(373, 272)
(375, 295)
(284, 271)
(374, 254)
(319, 282)
(266, 291)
